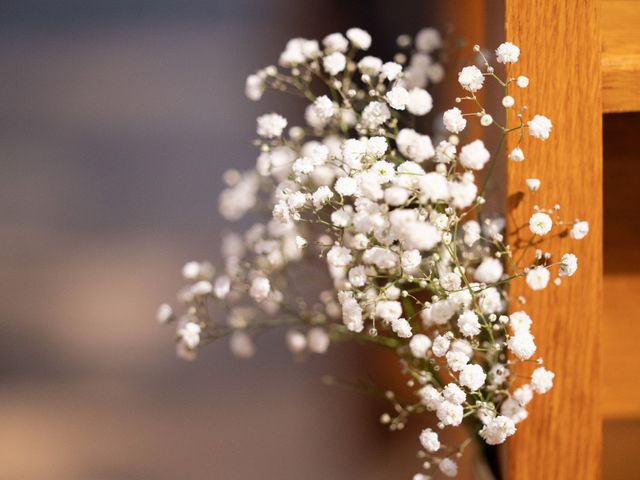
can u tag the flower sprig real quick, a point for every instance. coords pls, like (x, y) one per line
(376, 234)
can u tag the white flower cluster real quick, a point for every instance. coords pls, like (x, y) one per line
(412, 261)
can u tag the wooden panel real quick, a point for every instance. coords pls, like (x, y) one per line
(621, 319)
(621, 55)
(621, 180)
(561, 55)
(620, 452)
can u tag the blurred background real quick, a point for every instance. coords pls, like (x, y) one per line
(117, 119)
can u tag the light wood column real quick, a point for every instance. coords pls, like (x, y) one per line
(560, 43)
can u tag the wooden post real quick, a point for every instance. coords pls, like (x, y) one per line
(560, 43)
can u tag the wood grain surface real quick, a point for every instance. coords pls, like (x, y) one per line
(560, 43)
(621, 55)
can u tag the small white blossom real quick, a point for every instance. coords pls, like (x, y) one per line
(497, 430)
(189, 333)
(463, 194)
(375, 114)
(468, 324)
(512, 409)
(471, 232)
(353, 152)
(540, 223)
(396, 196)
(388, 310)
(260, 288)
(358, 276)
(490, 300)
(321, 196)
(430, 397)
(402, 328)
(486, 120)
(198, 271)
(222, 286)
(457, 360)
(523, 395)
(296, 341)
(568, 265)
(450, 413)
(507, 53)
(579, 230)
(241, 344)
(508, 101)
(440, 345)
(376, 147)
(522, 345)
(164, 313)
(474, 155)
(429, 440)
(472, 376)
(428, 40)
(335, 42)
(434, 187)
(471, 78)
(453, 393)
(450, 281)
(520, 322)
(522, 81)
(254, 87)
(539, 127)
(384, 171)
(489, 271)
(297, 51)
(303, 166)
(410, 260)
(542, 380)
(191, 270)
(419, 102)
(453, 120)
(420, 345)
(499, 374)
(271, 125)
(370, 65)
(420, 235)
(391, 70)
(533, 184)
(352, 315)
(435, 72)
(415, 146)
(445, 152)
(448, 467)
(346, 186)
(538, 278)
(381, 258)
(397, 98)
(318, 340)
(301, 242)
(339, 256)
(438, 314)
(334, 63)
(324, 107)
(516, 155)
(359, 38)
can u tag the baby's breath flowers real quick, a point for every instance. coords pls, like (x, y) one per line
(391, 221)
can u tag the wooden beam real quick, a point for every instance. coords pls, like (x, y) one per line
(621, 56)
(560, 43)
